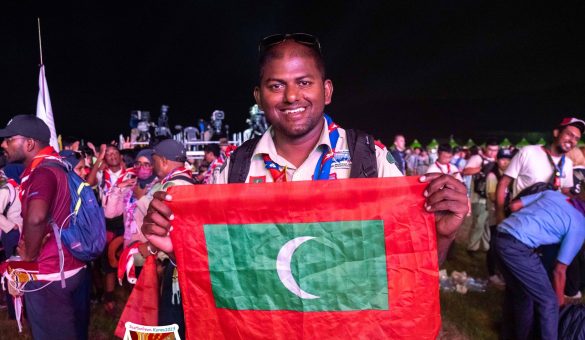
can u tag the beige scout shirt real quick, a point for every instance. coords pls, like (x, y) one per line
(340, 167)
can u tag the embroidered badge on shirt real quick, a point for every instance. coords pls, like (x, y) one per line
(257, 179)
(341, 160)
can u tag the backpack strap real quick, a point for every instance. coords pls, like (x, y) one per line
(240, 160)
(362, 151)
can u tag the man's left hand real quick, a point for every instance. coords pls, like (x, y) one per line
(447, 198)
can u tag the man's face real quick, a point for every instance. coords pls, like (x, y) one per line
(293, 94)
(444, 157)
(566, 140)
(209, 157)
(503, 163)
(399, 142)
(113, 157)
(159, 166)
(491, 151)
(14, 148)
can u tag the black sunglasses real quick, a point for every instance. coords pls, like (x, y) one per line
(301, 38)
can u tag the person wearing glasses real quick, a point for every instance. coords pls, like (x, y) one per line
(124, 196)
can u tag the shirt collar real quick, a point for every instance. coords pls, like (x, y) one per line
(266, 143)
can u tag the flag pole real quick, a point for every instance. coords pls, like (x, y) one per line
(40, 41)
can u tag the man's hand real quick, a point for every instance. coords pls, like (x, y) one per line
(129, 183)
(102, 153)
(157, 222)
(447, 198)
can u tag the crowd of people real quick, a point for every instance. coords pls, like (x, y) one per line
(506, 191)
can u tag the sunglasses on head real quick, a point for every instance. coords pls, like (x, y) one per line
(301, 38)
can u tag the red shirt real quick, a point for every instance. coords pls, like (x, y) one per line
(50, 184)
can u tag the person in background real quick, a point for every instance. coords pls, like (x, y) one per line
(479, 166)
(503, 160)
(53, 311)
(544, 218)
(212, 157)
(443, 163)
(398, 151)
(77, 161)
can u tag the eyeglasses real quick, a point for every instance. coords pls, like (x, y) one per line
(301, 38)
(144, 165)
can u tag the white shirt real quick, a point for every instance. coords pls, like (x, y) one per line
(531, 165)
(340, 167)
(448, 169)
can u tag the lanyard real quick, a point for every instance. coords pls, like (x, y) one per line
(323, 167)
(441, 169)
(558, 168)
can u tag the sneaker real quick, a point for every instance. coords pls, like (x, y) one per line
(496, 280)
(575, 297)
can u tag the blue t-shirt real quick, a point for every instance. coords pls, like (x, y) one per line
(548, 218)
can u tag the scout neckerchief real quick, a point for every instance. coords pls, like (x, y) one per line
(440, 166)
(47, 153)
(208, 175)
(323, 167)
(558, 169)
(107, 185)
(175, 172)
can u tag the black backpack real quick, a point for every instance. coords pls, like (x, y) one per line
(480, 179)
(361, 150)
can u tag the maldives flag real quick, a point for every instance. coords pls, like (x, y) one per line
(303, 260)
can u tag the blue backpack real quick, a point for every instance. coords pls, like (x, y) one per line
(85, 237)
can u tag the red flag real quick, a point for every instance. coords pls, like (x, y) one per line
(282, 260)
(142, 305)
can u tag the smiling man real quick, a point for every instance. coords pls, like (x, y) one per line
(535, 163)
(304, 143)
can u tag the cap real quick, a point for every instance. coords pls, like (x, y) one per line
(27, 126)
(146, 153)
(504, 153)
(171, 150)
(578, 123)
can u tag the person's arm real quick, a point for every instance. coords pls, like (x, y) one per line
(501, 192)
(92, 177)
(516, 205)
(34, 228)
(471, 171)
(559, 278)
(6, 225)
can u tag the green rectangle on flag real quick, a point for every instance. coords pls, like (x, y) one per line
(321, 266)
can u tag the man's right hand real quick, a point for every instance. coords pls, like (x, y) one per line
(157, 222)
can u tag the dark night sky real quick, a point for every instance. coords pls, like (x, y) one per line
(462, 68)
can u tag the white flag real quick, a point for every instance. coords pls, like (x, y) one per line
(44, 109)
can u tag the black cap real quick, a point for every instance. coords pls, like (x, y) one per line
(27, 126)
(171, 150)
(504, 153)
